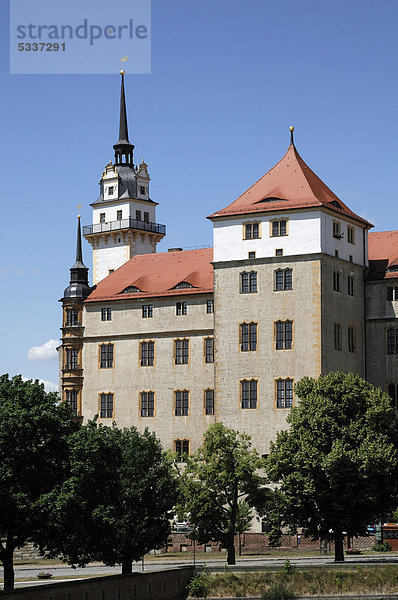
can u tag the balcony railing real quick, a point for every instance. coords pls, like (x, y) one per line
(124, 224)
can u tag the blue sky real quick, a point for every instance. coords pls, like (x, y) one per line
(228, 79)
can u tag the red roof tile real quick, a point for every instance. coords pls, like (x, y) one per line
(157, 275)
(383, 254)
(289, 184)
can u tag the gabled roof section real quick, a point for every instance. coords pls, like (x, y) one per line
(157, 275)
(383, 255)
(290, 184)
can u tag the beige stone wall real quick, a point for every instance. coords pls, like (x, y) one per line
(340, 307)
(301, 305)
(381, 314)
(128, 378)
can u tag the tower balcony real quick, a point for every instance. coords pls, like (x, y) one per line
(123, 224)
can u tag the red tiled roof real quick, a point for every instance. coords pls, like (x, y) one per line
(157, 275)
(383, 254)
(289, 184)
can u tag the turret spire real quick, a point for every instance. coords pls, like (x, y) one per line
(78, 287)
(123, 148)
(79, 255)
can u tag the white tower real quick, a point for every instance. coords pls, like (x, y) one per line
(124, 216)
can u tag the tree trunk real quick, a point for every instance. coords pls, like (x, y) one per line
(7, 559)
(338, 547)
(127, 565)
(231, 550)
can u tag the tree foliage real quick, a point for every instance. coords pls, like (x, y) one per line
(218, 485)
(116, 504)
(34, 429)
(337, 463)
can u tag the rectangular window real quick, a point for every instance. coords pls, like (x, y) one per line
(147, 354)
(283, 279)
(350, 285)
(392, 293)
(106, 314)
(209, 402)
(279, 228)
(106, 406)
(142, 189)
(209, 350)
(181, 352)
(284, 393)
(279, 252)
(71, 398)
(71, 358)
(392, 390)
(147, 404)
(351, 235)
(248, 282)
(146, 217)
(351, 339)
(106, 356)
(336, 281)
(147, 311)
(138, 215)
(110, 190)
(392, 341)
(248, 337)
(251, 231)
(182, 450)
(181, 308)
(283, 335)
(181, 399)
(249, 393)
(337, 336)
(209, 306)
(72, 317)
(102, 217)
(119, 214)
(336, 229)
(252, 255)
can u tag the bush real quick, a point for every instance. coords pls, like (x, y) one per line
(288, 567)
(278, 592)
(197, 587)
(382, 547)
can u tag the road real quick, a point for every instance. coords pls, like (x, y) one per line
(30, 572)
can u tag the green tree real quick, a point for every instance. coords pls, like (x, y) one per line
(34, 429)
(337, 463)
(215, 481)
(116, 504)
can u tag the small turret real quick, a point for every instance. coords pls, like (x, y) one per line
(78, 286)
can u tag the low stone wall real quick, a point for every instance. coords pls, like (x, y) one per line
(258, 542)
(157, 585)
(27, 553)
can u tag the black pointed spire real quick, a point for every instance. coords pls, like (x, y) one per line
(123, 148)
(78, 287)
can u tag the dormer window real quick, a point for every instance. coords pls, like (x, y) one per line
(182, 284)
(131, 289)
(110, 190)
(142, 190)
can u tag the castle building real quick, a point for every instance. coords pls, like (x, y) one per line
(294, 285)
